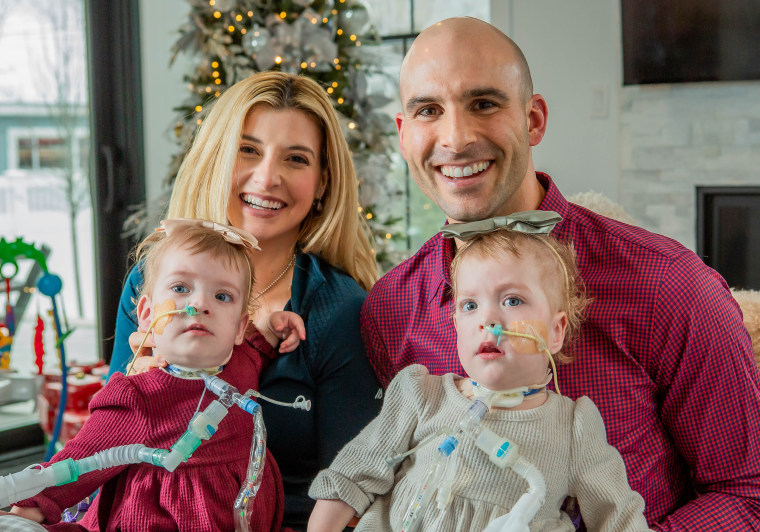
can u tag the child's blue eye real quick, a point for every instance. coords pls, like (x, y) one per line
(512, 302)
(224, 298)
(469, 306)
(180, 289)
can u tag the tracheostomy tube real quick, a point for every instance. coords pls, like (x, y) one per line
(442, 472)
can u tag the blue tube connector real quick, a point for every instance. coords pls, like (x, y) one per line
(448, 445)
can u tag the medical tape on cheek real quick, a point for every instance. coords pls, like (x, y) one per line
(167, 306)
(537, 330)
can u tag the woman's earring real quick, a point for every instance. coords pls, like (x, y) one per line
(318, 204)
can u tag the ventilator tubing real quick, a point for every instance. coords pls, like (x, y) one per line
(526, 508)
(503, 453)
(256, 461)
(428, 487)
(32, 480)
(203, 425)
(441, 474)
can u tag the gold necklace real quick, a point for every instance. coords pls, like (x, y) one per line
(283, 272)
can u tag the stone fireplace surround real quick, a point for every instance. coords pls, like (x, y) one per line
(676, 137)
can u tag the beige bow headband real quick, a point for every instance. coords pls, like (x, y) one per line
(233, 235)
(530, 222)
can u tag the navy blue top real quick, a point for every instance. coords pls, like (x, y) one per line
(329, 368)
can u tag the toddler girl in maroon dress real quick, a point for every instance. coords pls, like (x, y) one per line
(205, 269)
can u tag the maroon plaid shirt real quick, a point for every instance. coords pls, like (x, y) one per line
(663, 353)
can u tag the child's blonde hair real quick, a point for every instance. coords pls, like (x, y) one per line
(565, 288)
(196, 239)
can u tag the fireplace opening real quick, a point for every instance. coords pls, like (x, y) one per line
(728, 233)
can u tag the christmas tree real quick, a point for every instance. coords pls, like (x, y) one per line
(330, 41)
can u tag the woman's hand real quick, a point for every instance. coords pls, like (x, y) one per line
(286, 327)
(144, 360)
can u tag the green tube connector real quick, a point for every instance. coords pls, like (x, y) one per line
(181, 451)
(187, 444)
(154, 457)
(65, 471)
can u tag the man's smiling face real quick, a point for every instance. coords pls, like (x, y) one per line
(466, 119)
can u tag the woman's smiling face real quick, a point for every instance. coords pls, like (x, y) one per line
(278, 173)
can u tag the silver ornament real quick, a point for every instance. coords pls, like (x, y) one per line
(255, 39)
(355, 19)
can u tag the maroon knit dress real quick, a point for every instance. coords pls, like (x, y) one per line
(154, 408)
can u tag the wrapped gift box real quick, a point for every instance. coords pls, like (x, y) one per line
(81, 387)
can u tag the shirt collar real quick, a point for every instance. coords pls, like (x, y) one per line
(440, 281)
(307, 278)
(553, 200)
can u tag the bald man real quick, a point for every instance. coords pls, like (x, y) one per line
(663, 352)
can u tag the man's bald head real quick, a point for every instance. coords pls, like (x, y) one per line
(472, 36)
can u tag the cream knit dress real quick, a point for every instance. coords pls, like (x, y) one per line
(565, 439)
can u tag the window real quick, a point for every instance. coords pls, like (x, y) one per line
(25, 158)
(44, 148)
(117, 158)
(52, 152)
(45, 201)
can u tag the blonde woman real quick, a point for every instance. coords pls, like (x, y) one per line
(270, 158)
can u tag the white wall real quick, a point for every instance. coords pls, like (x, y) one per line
(573, 49)
(163, 88)
(676, 137)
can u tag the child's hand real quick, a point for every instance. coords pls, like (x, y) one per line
(145, 359)
(331, 515)
(287, 327)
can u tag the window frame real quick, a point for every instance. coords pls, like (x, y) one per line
(117, 174)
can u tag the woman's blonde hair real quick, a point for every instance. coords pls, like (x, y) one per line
(202, 188)
(565, 288)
